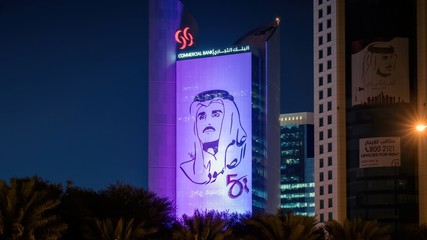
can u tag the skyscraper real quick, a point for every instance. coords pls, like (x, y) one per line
(369, 87)
(297, 163)
(213, 116)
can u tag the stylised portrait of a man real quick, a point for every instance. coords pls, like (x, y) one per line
(219, 138)
(379, 83)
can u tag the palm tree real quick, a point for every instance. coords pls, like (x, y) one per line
(357, 229)
(207, 225)
(121, 230)
(27, 210)
(283, 225)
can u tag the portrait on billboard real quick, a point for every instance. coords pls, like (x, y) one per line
(219, 138)
(380, 73)
(214, 134)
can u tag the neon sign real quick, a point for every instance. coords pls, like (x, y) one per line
(213, 52)
(184, 38)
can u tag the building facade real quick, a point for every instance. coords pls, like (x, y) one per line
(369, 89)
(297, 163)
(213, 116)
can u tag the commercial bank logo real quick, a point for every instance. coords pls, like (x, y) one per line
(184, 38)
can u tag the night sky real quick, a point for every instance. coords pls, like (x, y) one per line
(73, 80)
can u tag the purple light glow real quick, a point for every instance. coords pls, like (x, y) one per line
(214, 134)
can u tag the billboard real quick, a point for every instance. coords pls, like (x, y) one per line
(379, 152)
(214, 134)
(380, 73)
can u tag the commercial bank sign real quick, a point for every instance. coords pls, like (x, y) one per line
(214, 133)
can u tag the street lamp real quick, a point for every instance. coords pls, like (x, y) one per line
(421, 127)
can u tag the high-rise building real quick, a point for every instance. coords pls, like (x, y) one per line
(369, 87)
(213, 116)
(297, 163)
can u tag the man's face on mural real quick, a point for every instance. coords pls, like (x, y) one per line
(209, 122)
(386, 62)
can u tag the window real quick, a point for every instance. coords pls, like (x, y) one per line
(330, 175)
(330, 119)
(322, 217)
(321, 149)
(329, 51)
(320, 67)
(329, 133)
(321, 110)
(329, 64)
(321, 177)
(321, 204)
(320, 81)
(320, 40)
(320, 122)
(320, 95)
(320, 2)
(329, 92)
(329, 106)
(328, 37)
(321, 191)
(329, 147)
(320, 27)
(329, 161)
(320, 13)
(330, 216)
(321, 137)
(320, 54)
(330, 188)
(328, 9)
(328, 23)
(321, 162)
(329, 202)
(329, 78)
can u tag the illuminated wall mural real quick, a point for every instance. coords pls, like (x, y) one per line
(380, 73)
(214, 149)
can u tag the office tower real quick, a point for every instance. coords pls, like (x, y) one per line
(297, 163)
(369, 89)
(213, 116)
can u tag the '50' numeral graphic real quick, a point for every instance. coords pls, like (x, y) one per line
(240, 183)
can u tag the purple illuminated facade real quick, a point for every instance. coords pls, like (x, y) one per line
(213, 129)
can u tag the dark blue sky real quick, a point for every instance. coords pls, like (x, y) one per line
(73, 80)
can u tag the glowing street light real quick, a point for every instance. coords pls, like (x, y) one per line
(421, 127)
